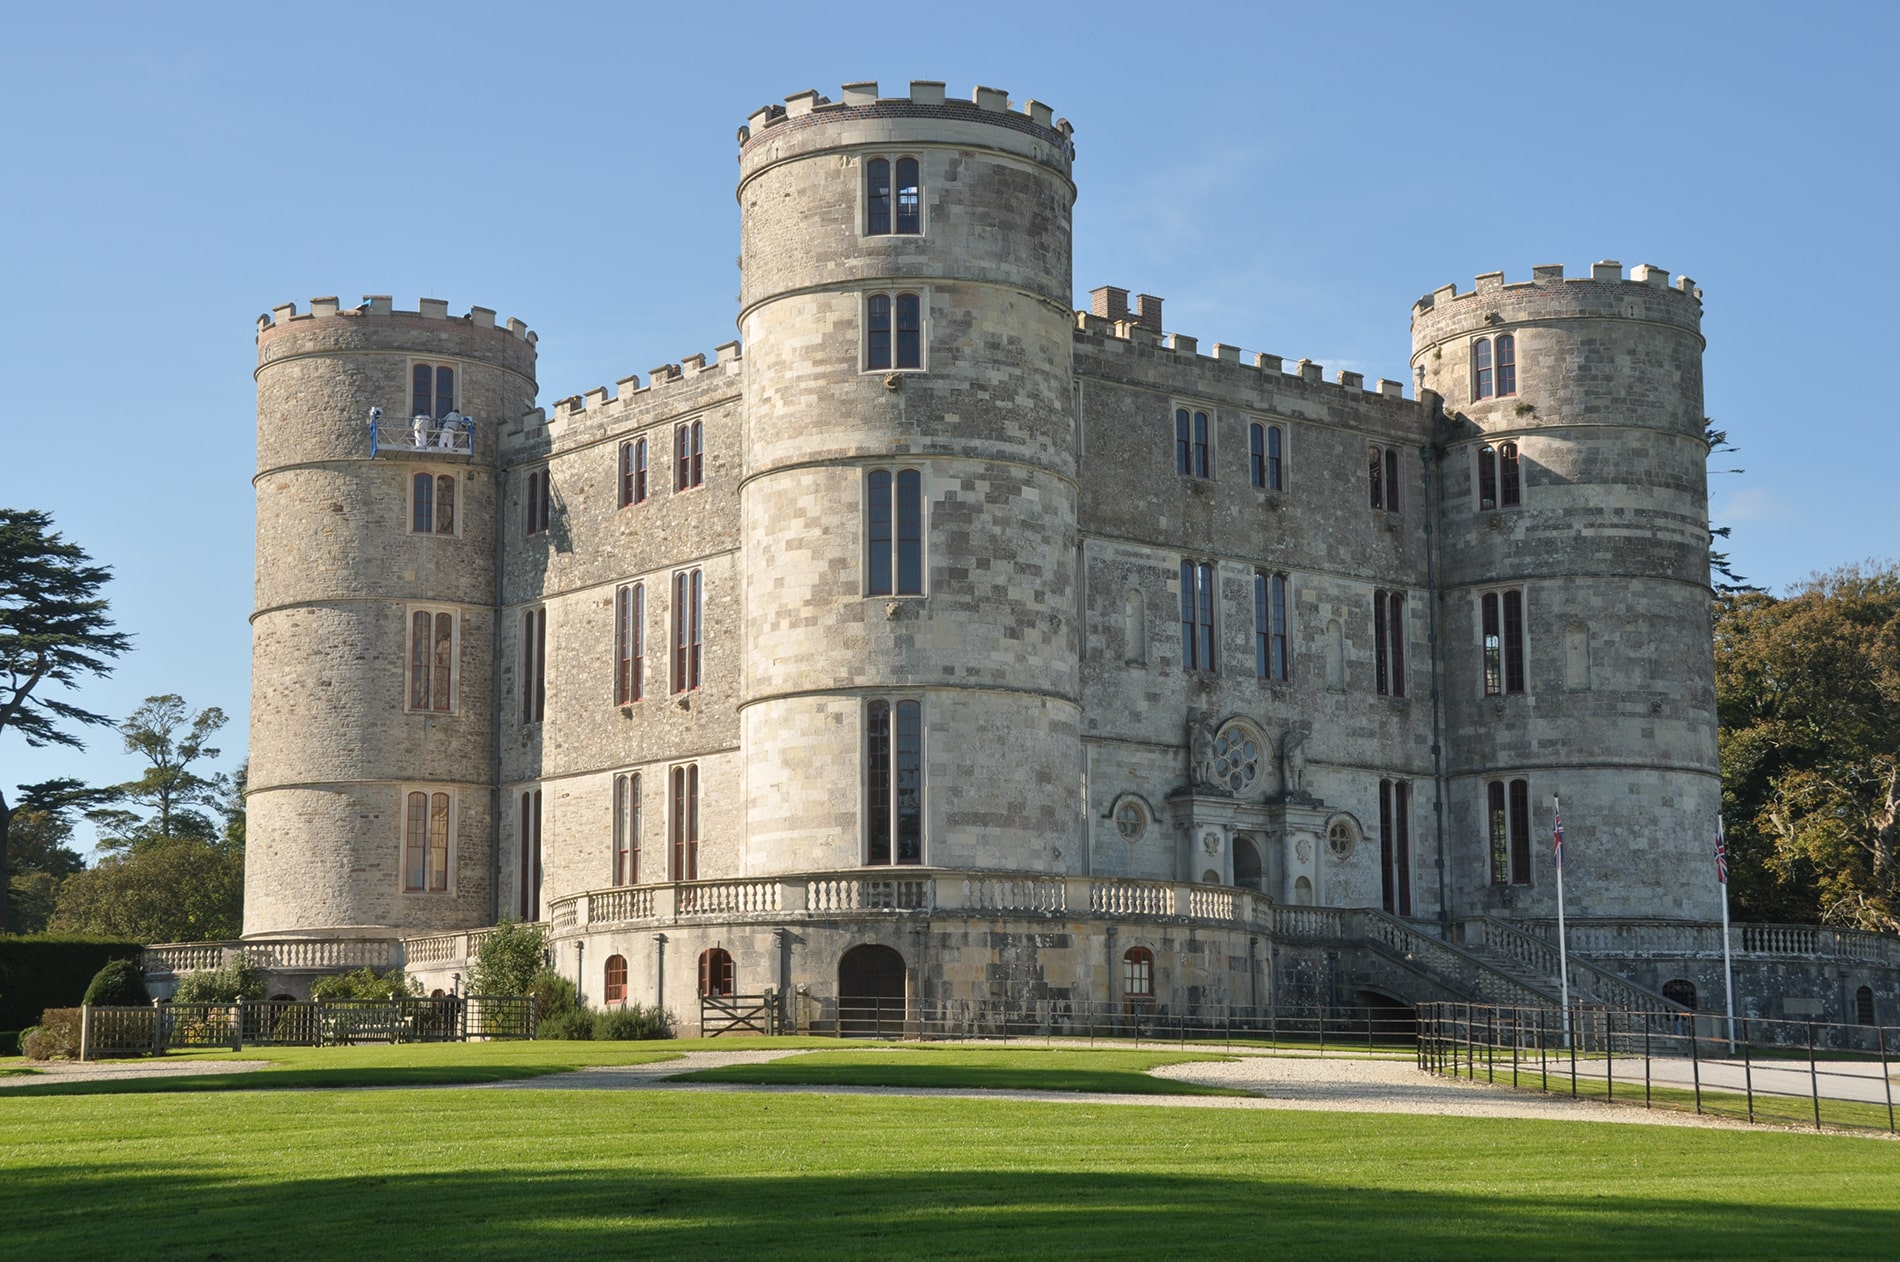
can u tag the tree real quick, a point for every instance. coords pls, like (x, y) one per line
(1808, 690)
(53, 631)
(40, 856)
(171, 740)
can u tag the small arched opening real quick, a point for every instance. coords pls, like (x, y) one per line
(1302, 892)
(715, 972)
(1680, 990)
(1864, 1005)
(1247, 865)
(614, 980)
(871, 999)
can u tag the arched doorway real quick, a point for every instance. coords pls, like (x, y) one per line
(1247, 866)
(870, 992)
(1680, 990)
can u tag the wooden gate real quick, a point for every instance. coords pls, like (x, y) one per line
(725, 1014)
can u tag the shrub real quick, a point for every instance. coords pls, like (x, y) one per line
(571, 1024)
(10, 1042)
(366, 983)
(237, 978)
(46, 971)
(56, 1036)
(121, 983)
(635, 1021)
(508, 960)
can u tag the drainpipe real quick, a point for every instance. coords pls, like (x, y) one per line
(1429, 456)
(659, 972)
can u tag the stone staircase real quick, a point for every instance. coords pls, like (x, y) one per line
(1534, 963)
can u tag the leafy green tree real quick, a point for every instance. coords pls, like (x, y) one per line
(184, 890)
(1808, 690)
(171, 739)
(508, 960)
(40, 856)
(54, 632)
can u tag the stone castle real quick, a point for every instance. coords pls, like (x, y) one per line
(948, 645)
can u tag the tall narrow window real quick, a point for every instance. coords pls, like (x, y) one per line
(1264, 456)
(1197, 615)
(432, 391)
(877, 197)
(1388, 642)
(1501, 624)
(689, 455)
(1487, 476)
(685, 822)
(1382, 466)
(534, 665)
(1510, 493)
(536, 494)
(1269, 617)
(688, 596)
(893, 331)
(1508, 811)
(1395, 845)
(614, 980)
(630, 618)
(431, 660)
(1507, 365)
(1193, 443)
(633, 472)
(528, 882)
(894, 533)
(1514, 641)
(627, 829)
(422, 504)
(894, 782)
(425, 868)
(910, 199)
(1481, 383)
(1183, 441)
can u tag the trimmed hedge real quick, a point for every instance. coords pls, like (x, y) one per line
(41, 971)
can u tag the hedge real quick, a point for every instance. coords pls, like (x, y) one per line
(41, 971)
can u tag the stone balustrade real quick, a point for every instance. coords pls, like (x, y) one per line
(277, 955)
(1674, 938)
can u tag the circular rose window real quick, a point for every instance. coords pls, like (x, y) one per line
(1236, 759)
(1339, 839)
(1131, 821)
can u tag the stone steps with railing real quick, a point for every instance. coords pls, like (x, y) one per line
(1534, 958)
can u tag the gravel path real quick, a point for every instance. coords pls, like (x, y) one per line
(99, 1070)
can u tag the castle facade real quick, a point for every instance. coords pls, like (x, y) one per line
(949, 644)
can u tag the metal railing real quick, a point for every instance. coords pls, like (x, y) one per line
(163, 1027)
(1320, 1026)
(1779, 1071)
(423, 434)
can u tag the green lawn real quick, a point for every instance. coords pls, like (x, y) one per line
(975, 1068)
(581, 1175)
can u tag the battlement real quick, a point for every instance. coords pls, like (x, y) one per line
(1609, 271)
(383, 305)
(628, 392)
(1141, 330)
(926, 96)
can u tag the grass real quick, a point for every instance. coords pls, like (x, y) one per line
(973, 1068)
(583, 1175)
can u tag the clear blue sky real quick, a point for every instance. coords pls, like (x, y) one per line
(1289, 177)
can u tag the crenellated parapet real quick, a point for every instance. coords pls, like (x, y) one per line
(1140, 336)
(927, 99)
(284, 315)
(668, 389)
(1647, 293)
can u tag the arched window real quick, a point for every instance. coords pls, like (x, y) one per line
(894, 533)
(689, 455)
(431, 660)
(432, 392)
(1138, 973)
(627, 811)
(1197, 615)
(426, 830)
(1680, 990)
(1271, 660)
(715, 972)
(1388, 643)
(630, 643)
(878, 196)
(1864, 1005)
(1263, 456)
(685, 822)
(1395, 845)
(894, 782)
(1481, 379)
(1382, 464)
(1193, 443)
(1507, 365)
(1499, 484)
(910, 199)
(688, 605)
(432, 504)
(615, 989)
(1501, 618)
(633, 472)
(528, 879)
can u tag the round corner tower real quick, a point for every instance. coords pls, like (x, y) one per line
(908, 509)
(372, 726)
(1574, 594)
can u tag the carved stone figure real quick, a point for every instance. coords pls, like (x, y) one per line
(1293, 760)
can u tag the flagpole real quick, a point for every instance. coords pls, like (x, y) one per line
(1728, 964)
(1563, 954)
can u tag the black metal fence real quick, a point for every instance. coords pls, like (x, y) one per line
(167, 1027)
(1815, 1073)
(1325, 1027)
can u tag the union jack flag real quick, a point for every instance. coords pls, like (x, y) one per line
(1557, 850)
(1721, 853)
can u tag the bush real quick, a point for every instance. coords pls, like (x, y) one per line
(121, 984)
(44, 971)
(554, 995)
(10, 1042)
(366, 983)
(237, 978)
(571, 1024)
(508, 960)
(635, 1021)
(56, 1036)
